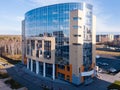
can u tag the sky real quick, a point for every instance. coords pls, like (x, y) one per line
(12, 13)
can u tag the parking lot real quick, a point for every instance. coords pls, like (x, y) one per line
(108, 64)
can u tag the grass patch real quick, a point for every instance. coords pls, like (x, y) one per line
(15, 57)
(107, 53)
(10, 60)
(114, 86)
(13, 84)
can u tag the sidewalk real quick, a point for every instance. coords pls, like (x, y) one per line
(109, 78)
(3, 86)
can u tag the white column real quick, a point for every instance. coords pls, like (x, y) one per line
(44, 69)
(37, 67)
(53, 72)
(27, 63)
(31, 65)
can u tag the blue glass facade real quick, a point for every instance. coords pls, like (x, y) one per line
(87, 46)
(54, 21)
(49, 19)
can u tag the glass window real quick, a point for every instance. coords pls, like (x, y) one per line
(40, 52)
(32, 44)
(68, 68)
(76, 27)
(47, 49)
(77, 18)
(61, 66)
(76, 44)
(40, 68)
(77, 35)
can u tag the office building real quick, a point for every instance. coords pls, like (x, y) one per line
(59, 42)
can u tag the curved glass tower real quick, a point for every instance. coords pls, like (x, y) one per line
(50, 19)
(49, 35)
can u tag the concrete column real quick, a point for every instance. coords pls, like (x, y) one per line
(31, 65)
(44, 69)
(53, 72)
(27, 63)
(37, 67)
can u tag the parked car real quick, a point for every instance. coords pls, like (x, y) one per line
(112, 70)
(105, 64)
(99, 63)
(97, 56)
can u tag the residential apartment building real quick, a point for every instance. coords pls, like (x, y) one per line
(117, 37)
(59, 42)
(104, 38)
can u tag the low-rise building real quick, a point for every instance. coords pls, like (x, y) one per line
(104, 38)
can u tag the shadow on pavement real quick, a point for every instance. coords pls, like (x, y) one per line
(33, 82)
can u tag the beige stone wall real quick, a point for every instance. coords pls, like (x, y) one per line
(76, 51)
(94, 39)
(76, 55)
(41, 58)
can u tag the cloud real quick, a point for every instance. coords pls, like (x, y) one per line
(12, 18)
(104, 26)
(10, 30)
(103, 18)
(19, 18)
(10, 24)
(49, 2)
(13, 22)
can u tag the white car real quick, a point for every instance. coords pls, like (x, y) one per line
(99, 63)
(97, 56)
(112, 70)
(105, 64)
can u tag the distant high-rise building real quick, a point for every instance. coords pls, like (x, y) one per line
(59, 42)
(117, 37)
(104, 38)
